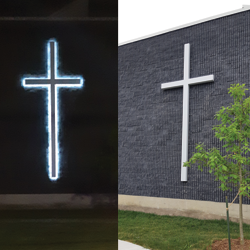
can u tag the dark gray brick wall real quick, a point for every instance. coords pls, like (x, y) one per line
(150, 119)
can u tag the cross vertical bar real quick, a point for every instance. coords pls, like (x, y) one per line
(184, 154)
(52, 98)
(186, 61)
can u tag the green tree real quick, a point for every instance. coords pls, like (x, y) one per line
(231, 168)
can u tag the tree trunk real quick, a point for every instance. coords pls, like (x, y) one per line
(240, 198)
(241, 221)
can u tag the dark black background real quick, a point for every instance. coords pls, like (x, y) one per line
(41, 8)
(88, 136)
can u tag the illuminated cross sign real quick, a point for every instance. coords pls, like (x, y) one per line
(185, 84)
(52, 83)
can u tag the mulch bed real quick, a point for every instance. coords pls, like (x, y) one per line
(235, 245)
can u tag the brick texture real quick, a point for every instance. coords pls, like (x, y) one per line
(150, 119)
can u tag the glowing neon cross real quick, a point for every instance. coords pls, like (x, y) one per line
(52, 82)
(185, 84)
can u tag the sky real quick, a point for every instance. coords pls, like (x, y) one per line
(138, 18)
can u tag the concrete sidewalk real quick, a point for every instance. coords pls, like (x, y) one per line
(124, 245)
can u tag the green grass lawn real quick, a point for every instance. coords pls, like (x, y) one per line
(173, 232)
(58, 229)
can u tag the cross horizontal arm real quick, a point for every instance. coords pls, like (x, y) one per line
(190, 81)
(67, 81)
(201, 79)
(63, 81)
(37, 81)
(171, 85)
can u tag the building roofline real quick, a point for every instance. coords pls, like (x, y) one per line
(244, 8)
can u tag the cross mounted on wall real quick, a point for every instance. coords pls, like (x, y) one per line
(185, 118)
(53, 82)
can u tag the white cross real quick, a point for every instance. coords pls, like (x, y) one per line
(53, 82)
(185, 83)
